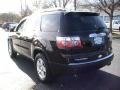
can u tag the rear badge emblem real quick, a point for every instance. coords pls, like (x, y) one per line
(100, 56)
(97, 38)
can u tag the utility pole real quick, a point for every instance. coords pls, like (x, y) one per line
(21, 7)
(75, 5)
(26, 12)
(25, 4)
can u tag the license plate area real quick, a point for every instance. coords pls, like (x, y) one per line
(97, 39)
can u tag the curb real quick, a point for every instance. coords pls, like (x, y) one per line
(116, 35)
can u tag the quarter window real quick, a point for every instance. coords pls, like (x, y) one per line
(50, 23)
(32, 24)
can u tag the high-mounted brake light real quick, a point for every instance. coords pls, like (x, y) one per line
(68, 42)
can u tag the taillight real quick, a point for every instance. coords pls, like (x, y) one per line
(68, 42)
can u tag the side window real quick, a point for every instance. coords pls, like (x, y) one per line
(20, 27)
(31, 25)
(50, 23)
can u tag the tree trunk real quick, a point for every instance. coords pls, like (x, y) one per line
(111, 18)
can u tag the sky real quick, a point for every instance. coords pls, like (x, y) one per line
(13, 5)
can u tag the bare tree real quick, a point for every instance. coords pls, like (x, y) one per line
(60, 3)
(26, 12)
(56, 3)
(43, 3)
(9, 17)
(50, 3)
(107, 6)
(65, 2)
(37, 3)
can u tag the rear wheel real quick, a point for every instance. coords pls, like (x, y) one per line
(42, 68)
(11, 51)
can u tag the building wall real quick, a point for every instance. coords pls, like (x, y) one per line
(106, 17)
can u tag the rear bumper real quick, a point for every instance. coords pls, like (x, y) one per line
(105, 60)
(84, 65)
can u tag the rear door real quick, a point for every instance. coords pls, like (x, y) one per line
(50, 25)
(32, 25)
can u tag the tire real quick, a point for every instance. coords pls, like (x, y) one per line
(42, 68)
(11, 51)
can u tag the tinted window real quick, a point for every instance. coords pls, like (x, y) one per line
(50, 22)
(78, 22)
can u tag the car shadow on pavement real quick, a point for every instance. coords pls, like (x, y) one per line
(98, 80)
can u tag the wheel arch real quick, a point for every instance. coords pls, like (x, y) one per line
(39, 50)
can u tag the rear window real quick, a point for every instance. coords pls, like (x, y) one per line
(83, 22)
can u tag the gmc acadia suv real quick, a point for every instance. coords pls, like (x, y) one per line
(59, 40)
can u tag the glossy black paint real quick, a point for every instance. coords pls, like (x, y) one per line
(39, 41)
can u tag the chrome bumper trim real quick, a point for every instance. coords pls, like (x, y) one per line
(97, 60)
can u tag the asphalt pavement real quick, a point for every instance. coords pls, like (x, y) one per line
(19, 74)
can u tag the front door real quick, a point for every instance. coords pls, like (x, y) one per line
(17, 37)
(32, 24)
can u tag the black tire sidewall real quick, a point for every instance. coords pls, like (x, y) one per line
(48, 74)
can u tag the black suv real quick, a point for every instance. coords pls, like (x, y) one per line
(59, 40)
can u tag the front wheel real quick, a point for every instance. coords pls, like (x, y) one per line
(11, 51)
(42, 68)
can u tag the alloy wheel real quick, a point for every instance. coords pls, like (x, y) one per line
(41, 69)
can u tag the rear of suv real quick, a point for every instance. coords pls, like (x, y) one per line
(60, 40)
